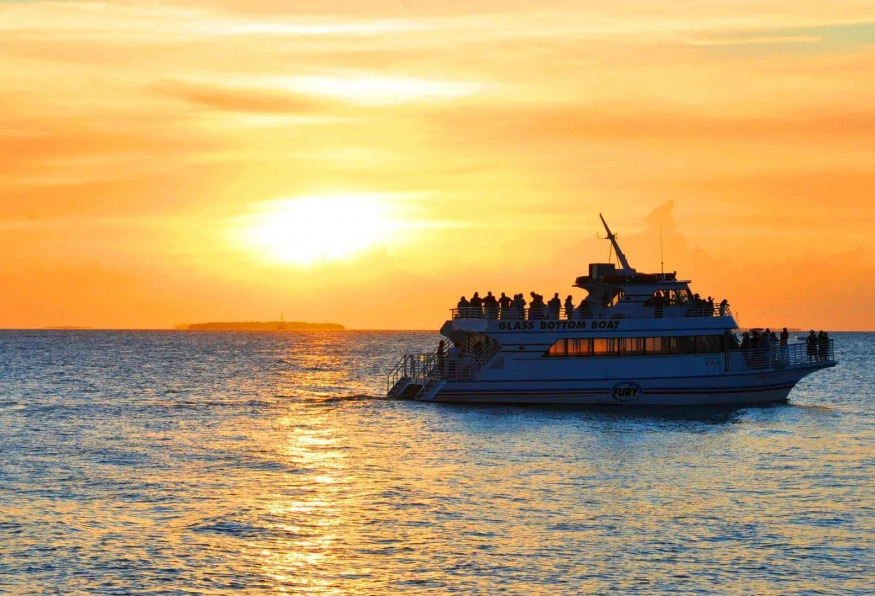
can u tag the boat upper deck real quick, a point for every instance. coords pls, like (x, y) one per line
(630, 310)
(613, 294)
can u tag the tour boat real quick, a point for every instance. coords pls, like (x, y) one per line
(637, 339)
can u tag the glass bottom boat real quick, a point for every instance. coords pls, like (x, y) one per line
(636, 339)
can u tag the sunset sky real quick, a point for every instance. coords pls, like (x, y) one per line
(368, 162)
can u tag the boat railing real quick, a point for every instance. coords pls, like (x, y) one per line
(778, 357)
(534, 313)
(431, 366)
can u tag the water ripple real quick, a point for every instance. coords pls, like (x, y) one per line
(269, 462)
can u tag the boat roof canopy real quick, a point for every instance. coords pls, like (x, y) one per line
(609, 274)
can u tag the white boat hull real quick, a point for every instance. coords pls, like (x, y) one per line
(758, 388)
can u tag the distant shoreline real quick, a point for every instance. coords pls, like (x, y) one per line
(261, 326)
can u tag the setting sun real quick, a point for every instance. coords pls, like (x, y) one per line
(310, 229)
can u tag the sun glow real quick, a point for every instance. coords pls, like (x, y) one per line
(368, 89)
(311, 229)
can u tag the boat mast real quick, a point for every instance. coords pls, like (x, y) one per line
(613, 238)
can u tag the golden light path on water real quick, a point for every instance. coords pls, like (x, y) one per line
(259, 462)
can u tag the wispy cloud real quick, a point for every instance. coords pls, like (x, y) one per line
(375, 89)
(762, 40)
(241, 99)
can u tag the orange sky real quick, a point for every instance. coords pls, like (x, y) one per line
(369, 162)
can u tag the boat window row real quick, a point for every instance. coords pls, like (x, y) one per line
(637, 346)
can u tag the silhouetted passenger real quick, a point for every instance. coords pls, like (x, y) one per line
(724, 305)
(757, 343)
(519, 303)
(555, 305)
(490, 304)
(822, 346)
(463, 307)
(476, 309)
(504, 304)
(782, 342)
(569, 307)
(536, 306)
(811, 346)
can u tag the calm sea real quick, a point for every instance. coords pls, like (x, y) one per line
(134, 462)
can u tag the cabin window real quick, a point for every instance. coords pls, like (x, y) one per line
(632, 346)
(709, 344)
(638, 346)
(579, 347)
(604, 346)
(560, 348)
(683, 345)
(657, 345)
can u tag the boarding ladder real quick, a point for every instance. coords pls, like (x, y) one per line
(421, 376)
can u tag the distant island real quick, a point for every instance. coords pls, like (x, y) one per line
(262, 326)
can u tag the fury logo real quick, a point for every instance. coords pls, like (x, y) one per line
(626, 391)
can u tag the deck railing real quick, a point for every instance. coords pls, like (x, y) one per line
(421, 368)
(534, 313)
(780, 357)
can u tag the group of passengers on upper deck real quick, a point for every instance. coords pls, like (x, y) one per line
(505, 307)
(698, 306)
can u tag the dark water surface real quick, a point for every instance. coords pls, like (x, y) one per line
(209, 462)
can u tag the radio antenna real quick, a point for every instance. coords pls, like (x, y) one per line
(661, 254)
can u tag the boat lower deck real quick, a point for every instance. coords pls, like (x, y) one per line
(749, 387)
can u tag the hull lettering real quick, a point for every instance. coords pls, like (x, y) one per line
(626, 391)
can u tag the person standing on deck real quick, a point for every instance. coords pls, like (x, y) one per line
(519, 303)
(555, 304)
(822, 346)
(745, 347)
(811, 346)
(490, 304)
(463, 307)
(476, 306)
(504, 304)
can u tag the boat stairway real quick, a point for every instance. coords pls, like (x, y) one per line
(404, 388)
(431, 388)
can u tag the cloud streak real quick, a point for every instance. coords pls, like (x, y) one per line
(241, 99)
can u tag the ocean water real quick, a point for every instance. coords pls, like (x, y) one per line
(135, 462)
